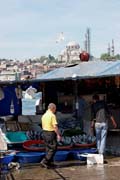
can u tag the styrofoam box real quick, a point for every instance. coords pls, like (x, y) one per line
(94, 158)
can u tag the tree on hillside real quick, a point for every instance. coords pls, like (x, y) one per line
(108, 57)
(117, 56)
(105, 56)
(43, 58)
(50, 57)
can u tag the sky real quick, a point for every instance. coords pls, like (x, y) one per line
(29, 28)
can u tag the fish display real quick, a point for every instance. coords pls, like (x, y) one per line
(77, 139)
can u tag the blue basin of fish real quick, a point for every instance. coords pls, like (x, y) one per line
(61, 155)
(29, 157)
(77, 153)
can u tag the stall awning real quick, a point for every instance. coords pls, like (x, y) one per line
(91, 69)
(84, 70)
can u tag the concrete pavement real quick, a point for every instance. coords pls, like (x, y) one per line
(71, 170)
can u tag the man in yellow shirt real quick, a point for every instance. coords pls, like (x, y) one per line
(50, 134)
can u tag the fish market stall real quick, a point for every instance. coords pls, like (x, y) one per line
(63, 87)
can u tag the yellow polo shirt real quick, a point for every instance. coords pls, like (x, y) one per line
(48, 121)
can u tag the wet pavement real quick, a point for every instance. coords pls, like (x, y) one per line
(71, 170)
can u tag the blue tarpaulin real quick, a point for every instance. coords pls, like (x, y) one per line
(9, 105)
(90, 69)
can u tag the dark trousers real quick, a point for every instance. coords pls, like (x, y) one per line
(50, 140)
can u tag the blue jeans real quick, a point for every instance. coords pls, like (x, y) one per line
(101, 135)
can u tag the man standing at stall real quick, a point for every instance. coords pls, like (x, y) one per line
(50, 134)
(100, 117)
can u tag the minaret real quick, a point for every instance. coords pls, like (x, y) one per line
(112, 48)
(88, 40)
(85, 43)
(109, 49)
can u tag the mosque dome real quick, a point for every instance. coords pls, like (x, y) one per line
(63, 52)
(73, 45)
(75, 53)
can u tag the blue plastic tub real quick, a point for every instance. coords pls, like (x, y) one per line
(61, 155)
(7, 159)
(29, 157)
(77, 153)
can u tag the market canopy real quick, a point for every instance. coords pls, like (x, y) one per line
(84, 70)
(90, 69)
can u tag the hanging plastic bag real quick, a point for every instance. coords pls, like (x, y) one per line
(3, 144)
